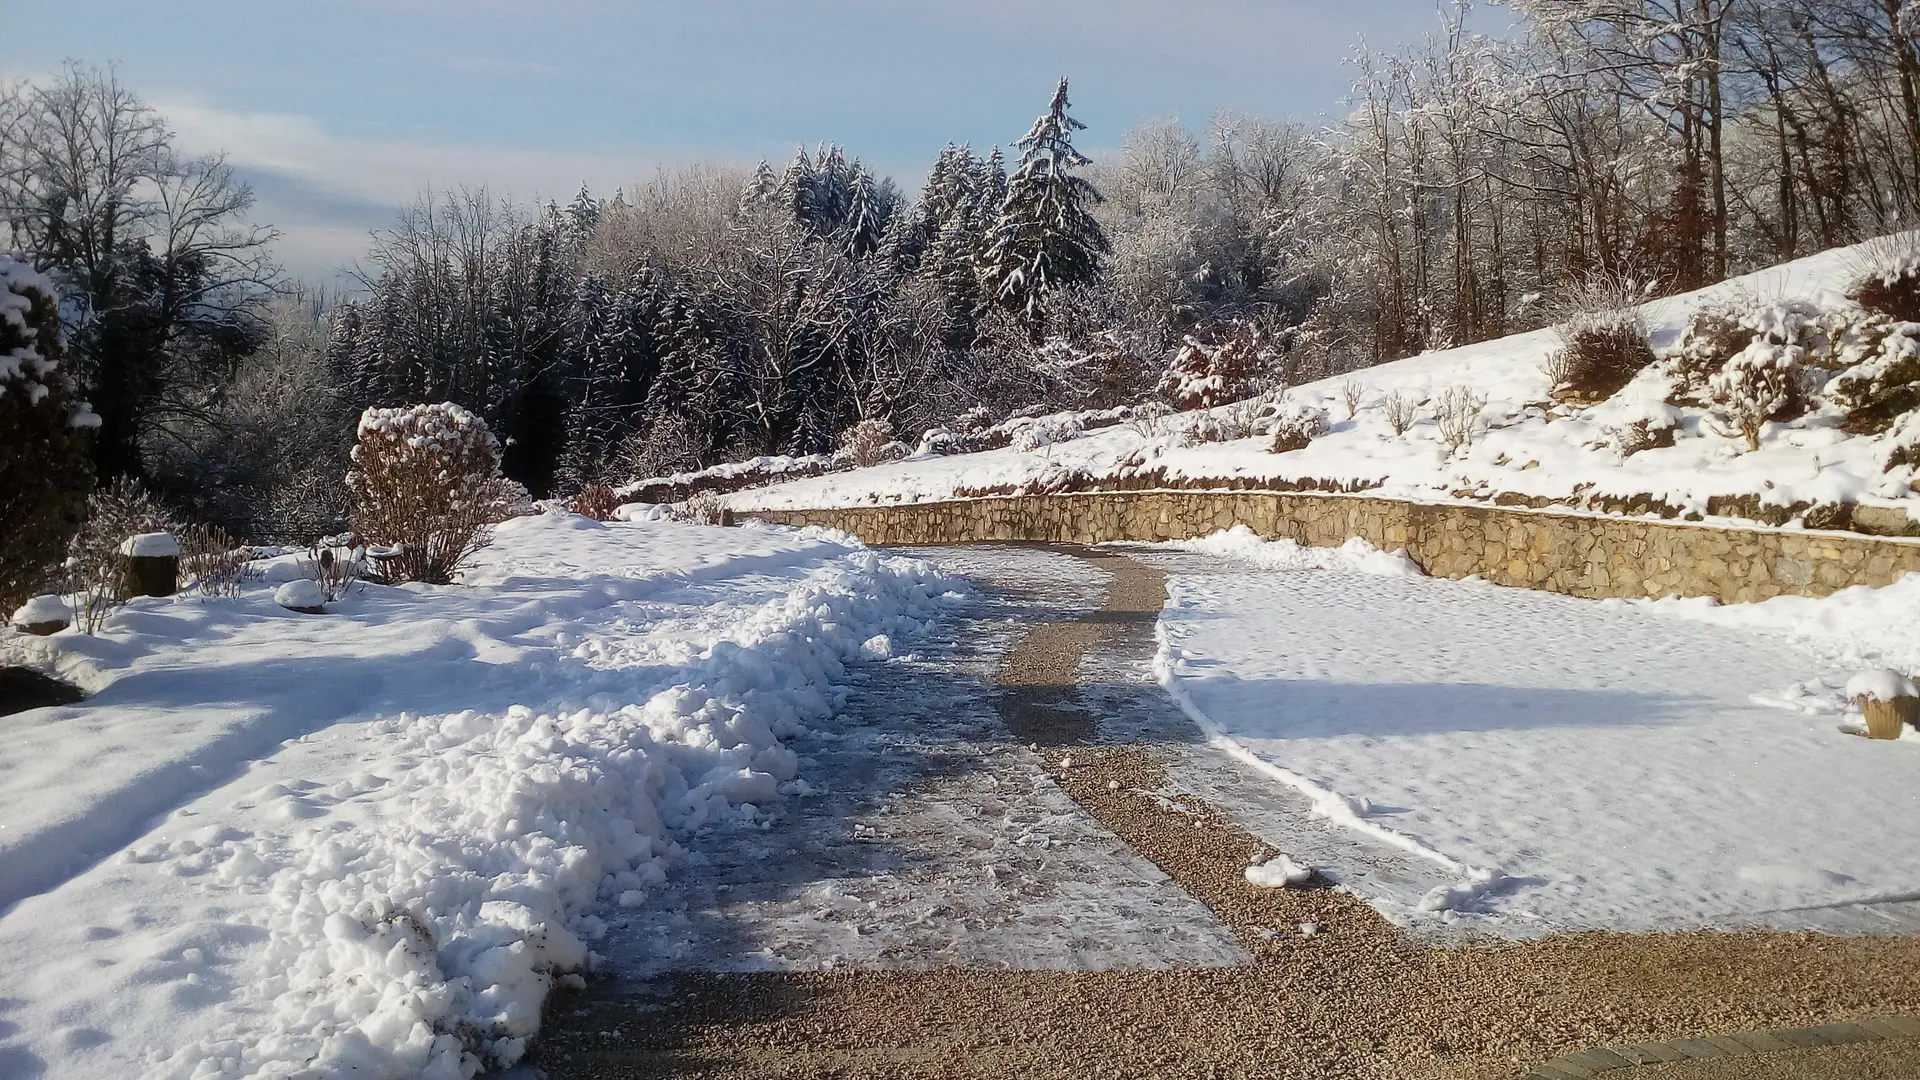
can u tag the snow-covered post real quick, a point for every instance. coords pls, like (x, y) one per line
(1888, 699)
(153, 564)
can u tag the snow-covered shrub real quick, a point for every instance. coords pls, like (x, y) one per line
(211, 561)
(1757, 385)
(426, 481)
(1881, 380)
(1240, 420)
(1604, 338)
(1149, 419)
(96, 572)
(1903, 442)
(1646, 425)
(1295, 426)
(1207, 372)
(869, 443)
(1886, 276)
(44, 473)
(596, 501)
(1457, 414)
(1713, 335)
(1047, 430)
(668, 445)
(1400, 411)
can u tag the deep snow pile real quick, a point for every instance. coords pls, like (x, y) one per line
(466, 775)
(1523, 445)
(1567, 764)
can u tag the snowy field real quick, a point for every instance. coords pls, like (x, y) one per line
(1563, 764)
(274, 844)
(1520, 448)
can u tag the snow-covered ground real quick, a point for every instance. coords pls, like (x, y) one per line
(1521, 449)
(1561, 763)
(367, 843)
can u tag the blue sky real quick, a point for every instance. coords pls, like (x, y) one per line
(339, 112)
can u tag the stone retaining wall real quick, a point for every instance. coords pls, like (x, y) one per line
(1578, 554)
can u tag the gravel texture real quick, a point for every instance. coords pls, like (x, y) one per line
(1353, 998)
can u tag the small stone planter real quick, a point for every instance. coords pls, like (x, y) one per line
(1887, 699)
(153, 564)
(42, 616)
(302, 595)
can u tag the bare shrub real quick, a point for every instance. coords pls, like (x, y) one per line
(596, 501)
(1400, 411)
(670, 444)
(1457, 413)
(1048, 430)
(869, 443)
(1754, 387)
(336, 564)
(426, 483)
(1554, 366)
(1886, 276)
(1651, 427)
(1604, 337)
(1351, 394)
(1295, 427)
(1149, 419)
(212, 562)
(701, 510)
(95, 572)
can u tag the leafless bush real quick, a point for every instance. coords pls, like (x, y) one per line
(869, 443)
(1351, 394)
(96, 574)
(1400, 411)
(1554, 366)
(596, 501)
(1149, 419)
(1456, 413)
(1604, 337)
(336, 564)
(1652, 427)
(426, 483)
(669, 445)
(211, 561)
(1752, 388)
(701, 510)
(1886, 276)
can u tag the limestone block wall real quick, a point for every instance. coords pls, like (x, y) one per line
(1568, 552)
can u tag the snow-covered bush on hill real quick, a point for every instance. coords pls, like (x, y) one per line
(1295, 427)
(426, 483)
(1604, 340)
(868, 443)
(1204, 373)
(44, 473)
(1762, 382)
(1886, 276)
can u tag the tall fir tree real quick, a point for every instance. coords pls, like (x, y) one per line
(1045, 237)
(866, 215)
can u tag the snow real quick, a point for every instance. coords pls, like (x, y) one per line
(1522, 447)
(300, 593)
(1880, 684)
(1558, 764)
(42, 609)
(1279, 872)
(368, 845)
(1243, 544)
(155, 545)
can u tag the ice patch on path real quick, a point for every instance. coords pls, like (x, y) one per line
(1243, 544)
(422, 942)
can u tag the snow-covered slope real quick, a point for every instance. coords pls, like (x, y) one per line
(1525, 447)
(366, 843)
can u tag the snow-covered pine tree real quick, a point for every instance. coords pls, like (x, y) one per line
(1045, 237)
(797, 185)
(579, 219)
(761, 188)
(866, 215)
(990, 183)
(832, 192)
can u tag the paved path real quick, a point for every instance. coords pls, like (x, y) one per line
(1055, 889)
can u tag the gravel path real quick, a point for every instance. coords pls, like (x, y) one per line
(1353, 998)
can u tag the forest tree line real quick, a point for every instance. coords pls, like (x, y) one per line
(1472, 184)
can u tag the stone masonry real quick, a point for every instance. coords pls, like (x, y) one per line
(1580, 554)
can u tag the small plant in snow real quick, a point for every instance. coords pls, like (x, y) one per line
(597, 501)
(96, 574)
(1554, 367)
(335, 564)
(1457, 413)
(1351, 394)
(426, 485)
(1295, 427)
(1649, 425)
(212, 562)
(701, 510)
(1149, 419)
(1759, 382)
(1400, 411)
(869, 443)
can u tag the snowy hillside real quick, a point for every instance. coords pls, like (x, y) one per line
(1525, 446)
(368, 842)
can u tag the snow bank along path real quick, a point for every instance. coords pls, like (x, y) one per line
(1573, 764)
(465, 774)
